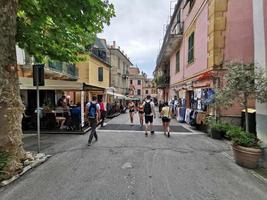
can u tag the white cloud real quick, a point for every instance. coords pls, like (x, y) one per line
(138, 28)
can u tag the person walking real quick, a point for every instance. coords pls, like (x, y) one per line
(93, 114)
(149, 110)
(166, 114)
(141, 113)
(103, 112)
(131, 107)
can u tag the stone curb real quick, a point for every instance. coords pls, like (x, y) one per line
(41, 158)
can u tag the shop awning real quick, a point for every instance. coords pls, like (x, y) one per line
(119, 96)
(87, 87)
(27, 84)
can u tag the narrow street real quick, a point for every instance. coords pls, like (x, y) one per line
(127, 165)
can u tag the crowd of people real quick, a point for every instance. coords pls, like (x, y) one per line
(96, 112)
(146, 111)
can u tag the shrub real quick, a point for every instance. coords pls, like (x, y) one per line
(242, 138)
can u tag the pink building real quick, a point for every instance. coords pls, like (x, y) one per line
(136, 82)
(201, 35)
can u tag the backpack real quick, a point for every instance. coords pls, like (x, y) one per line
(92, 110)
(147, 108)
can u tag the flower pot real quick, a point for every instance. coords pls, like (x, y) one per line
(246, 156)
(216, 134)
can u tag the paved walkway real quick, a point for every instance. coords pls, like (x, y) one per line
(127, 165)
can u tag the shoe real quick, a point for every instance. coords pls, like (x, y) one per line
(152, 132)
(89, 144)
(146, 134)
(168, 134)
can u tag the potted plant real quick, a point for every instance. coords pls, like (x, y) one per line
(246, 148)
(242, 82)
(217, 129)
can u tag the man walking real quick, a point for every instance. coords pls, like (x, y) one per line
(93, 113)
(149, 110)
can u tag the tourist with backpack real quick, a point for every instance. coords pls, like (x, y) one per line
(149, 110)
(166, 113)
(93, 114)
(103, 112)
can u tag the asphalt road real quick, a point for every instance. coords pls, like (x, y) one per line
(126, 165)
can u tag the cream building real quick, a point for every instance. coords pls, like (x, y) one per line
(120, 64)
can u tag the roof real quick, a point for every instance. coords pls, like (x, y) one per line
(111, 48)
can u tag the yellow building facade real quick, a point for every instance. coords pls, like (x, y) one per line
(94, 72)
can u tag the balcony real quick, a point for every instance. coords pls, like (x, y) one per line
(62, 70)
(172, 41)
(162, 81)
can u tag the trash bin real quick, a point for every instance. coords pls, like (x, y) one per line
(251, 120)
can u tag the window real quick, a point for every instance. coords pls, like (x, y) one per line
(131, 82)
(191, 48)
(139, 82)
(100, 74)
(146, 91)
(119, 63)
(138, 92)
(177, 61)
(179, 16)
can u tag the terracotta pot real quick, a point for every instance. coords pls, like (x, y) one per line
(247, 157)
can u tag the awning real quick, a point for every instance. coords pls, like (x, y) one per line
(27, 84)
(119, 96)
(94, 88)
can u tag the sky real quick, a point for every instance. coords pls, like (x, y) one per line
(138, 30)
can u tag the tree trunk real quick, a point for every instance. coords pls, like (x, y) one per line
(11, 107)
(246, 111)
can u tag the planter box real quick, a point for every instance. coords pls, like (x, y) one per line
(247, 157)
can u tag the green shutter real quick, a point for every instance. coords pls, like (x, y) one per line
(100, 74)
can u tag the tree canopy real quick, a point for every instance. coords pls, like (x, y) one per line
(60, 29)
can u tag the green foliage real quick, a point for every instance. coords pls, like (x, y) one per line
(60, 29)
(162, 80)
(221, 127)
(242, 81)
(3, 160)
(242, 138)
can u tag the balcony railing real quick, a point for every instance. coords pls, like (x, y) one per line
(64, 69)
(170, 37)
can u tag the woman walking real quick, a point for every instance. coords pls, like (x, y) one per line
(141, 113)
(131, 107)
(166, 118)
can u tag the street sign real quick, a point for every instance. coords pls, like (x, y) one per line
(38, 80)
(38, 74)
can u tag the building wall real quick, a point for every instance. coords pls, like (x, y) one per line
(199, 26)
(239, 43)
(196, 21)
(88, 72)
(260, 42)
(117, 71)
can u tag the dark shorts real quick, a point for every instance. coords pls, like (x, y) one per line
(92, 121)
(166, 119)
(131, 111)
(141, 112)
(148, 119)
